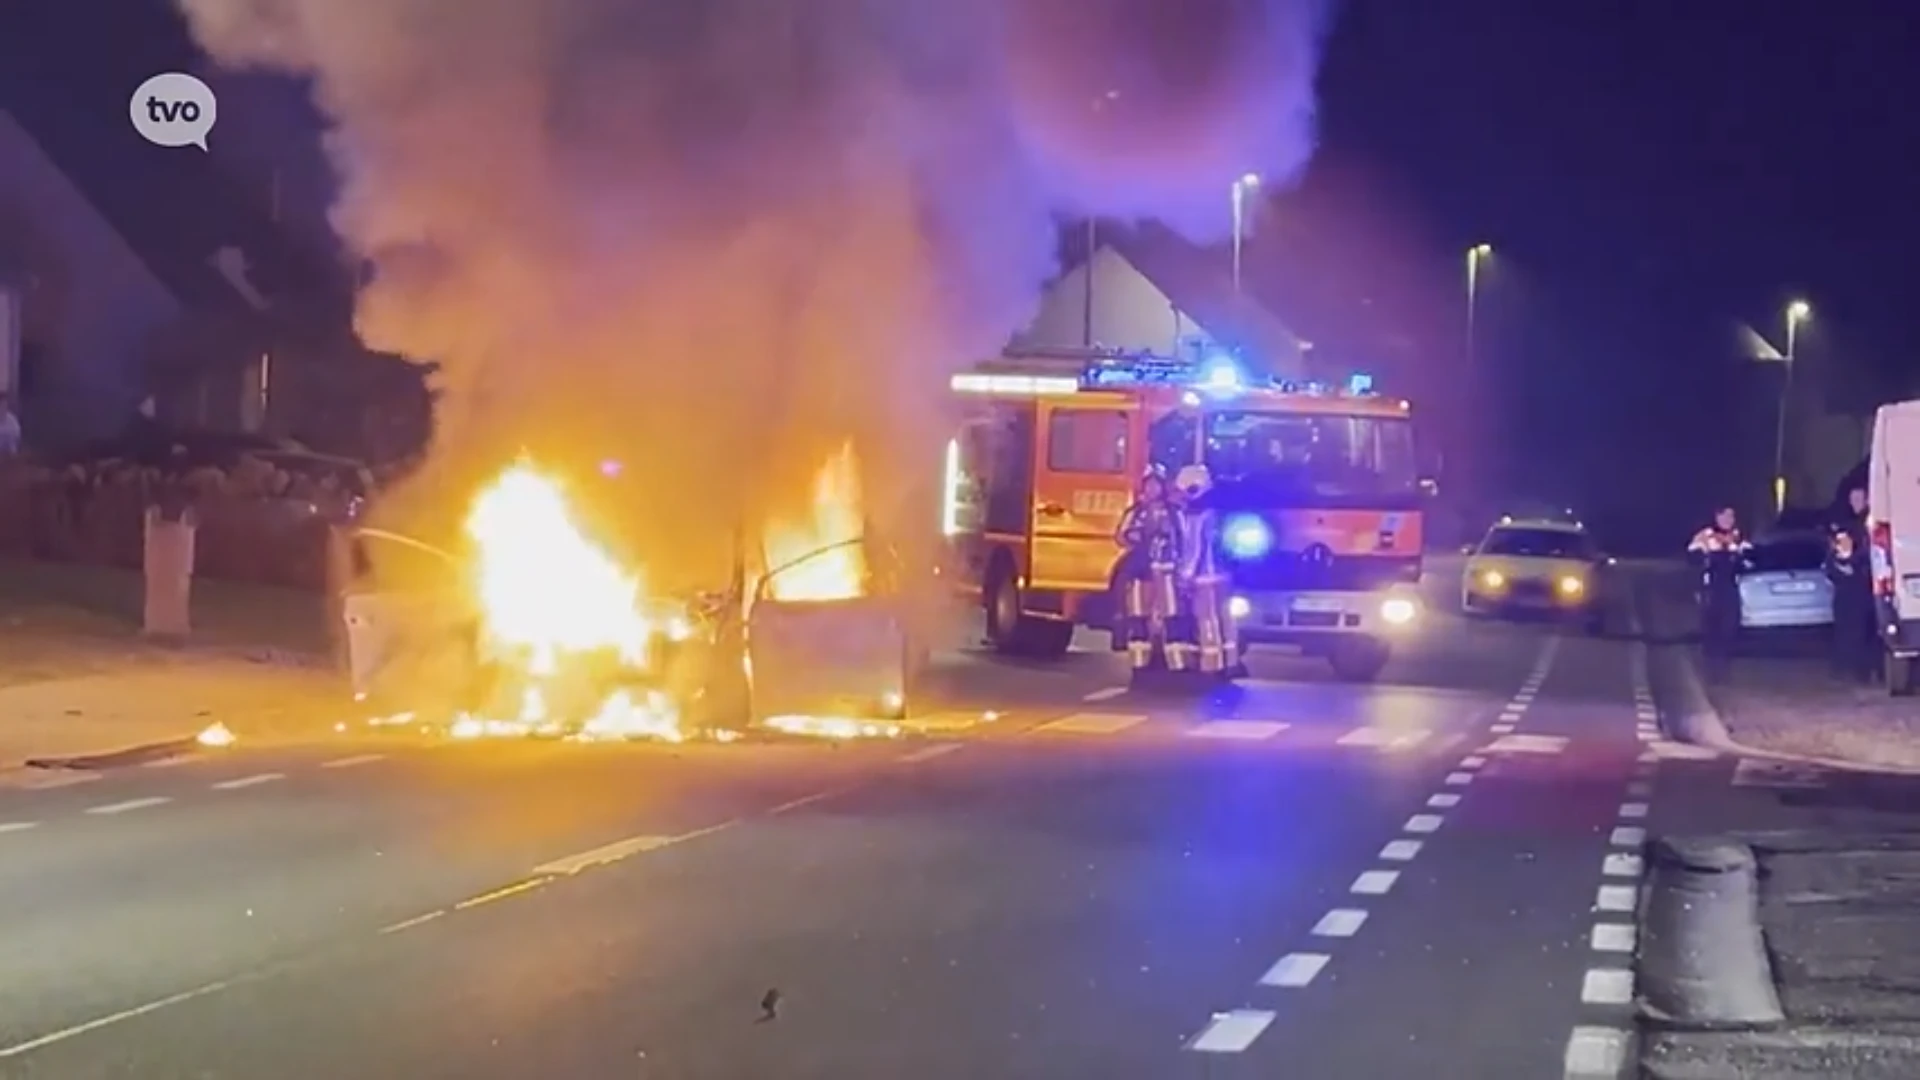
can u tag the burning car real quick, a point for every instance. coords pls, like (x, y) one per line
(529, 627)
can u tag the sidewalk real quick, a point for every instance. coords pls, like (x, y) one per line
(1779, 696)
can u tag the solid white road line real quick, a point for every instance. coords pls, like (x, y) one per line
(1105, 695)
(350, 762)
(130, 804)
(77, 1030)
(1596, 1053)
(1400, 850)
(1340, 922)
(1375, 882)
(248, 781)
(18, 826)
(1607, 986)
(1295, 969)
(1231, 1032)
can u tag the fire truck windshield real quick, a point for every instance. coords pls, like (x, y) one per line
(1325, 455)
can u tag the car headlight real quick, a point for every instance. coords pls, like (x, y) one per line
(1493, 579)
(1246, 537)
(1572, 586)
(1398, 611)
(1239, 607)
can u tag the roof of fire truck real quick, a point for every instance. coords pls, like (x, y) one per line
(1169, 383)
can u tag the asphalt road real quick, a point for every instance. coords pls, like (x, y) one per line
(1305, 879)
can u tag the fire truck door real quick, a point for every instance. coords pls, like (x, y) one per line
(1083, 482)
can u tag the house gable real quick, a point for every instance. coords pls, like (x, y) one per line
(1129, 312)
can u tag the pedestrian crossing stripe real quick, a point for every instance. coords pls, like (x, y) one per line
(1527, 744)
(1093, 723)
(1249, 730)
(1383, 737)
(1756, 772)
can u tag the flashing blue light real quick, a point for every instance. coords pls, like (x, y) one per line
(1221, 374)
(1246, 537)
(1360, 383)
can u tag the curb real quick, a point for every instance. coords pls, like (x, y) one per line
(1703, 962)
(118, 759)
(1696, 720)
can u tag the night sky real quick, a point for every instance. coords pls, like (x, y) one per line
(1649, 172)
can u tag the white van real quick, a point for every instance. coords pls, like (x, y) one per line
(1893, 522)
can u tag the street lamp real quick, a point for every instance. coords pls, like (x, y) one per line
(1242, 187)
(1475, 255)
(1797, 312)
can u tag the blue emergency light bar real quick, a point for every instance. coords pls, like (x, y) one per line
(1218, 375)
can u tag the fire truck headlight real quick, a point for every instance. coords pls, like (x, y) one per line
(1246, 537)
(1398, 611)
(1239, 607)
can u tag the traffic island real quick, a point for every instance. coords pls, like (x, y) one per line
(1786, 954)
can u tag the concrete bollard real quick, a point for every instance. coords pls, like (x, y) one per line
(167, 572)
(1703, 961)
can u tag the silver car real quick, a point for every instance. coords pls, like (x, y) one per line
(1783, 582)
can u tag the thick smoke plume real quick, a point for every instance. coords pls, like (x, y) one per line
(715, 238)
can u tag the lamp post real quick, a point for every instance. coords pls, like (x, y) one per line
(1797, 313)
(1241, 189)
(1475, 256)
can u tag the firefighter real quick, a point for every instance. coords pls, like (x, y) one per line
(1716, 552)
(1205, 582)
(1855, 636)
(1149, 538)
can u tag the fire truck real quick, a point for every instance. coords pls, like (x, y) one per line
(1317, 486)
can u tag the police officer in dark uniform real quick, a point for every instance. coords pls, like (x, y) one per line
(1855, 640)
(1716, 552)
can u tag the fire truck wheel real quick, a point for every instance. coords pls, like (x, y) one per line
(1015, 634)
(1358, 660)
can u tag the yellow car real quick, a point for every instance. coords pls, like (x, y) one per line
(1542, 568)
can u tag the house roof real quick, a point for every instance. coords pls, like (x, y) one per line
(1200, 283)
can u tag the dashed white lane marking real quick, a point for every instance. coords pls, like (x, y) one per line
(1613, 937)
(1616, 898)
(1295, 969)
(1526, 744)
(1249, 730)
(1510, 716)
(168, 762)
(1375, 882)
(1443, 801)
(928, 753)
(1472, 762)
(1459, 779)
(1501, 729)
(1633, 810)
(1231, 1032)
(1340, 922)
(1108, 694)
(1627, 836)
(248, 781)
(121, 1017)
(352, 762)
(1093, 723)
(17, 826)
(1640, 789)
(1622, 865)
(1423, 823)
(46, 779)
(1596, 1053)
(129, 805)
(1400, 850)
(1383, 737)
(1607, 986)
(606, 853)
